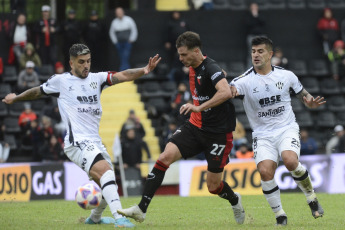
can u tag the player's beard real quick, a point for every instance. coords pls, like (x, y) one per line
(82, 74)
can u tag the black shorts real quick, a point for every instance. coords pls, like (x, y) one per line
(216, 146)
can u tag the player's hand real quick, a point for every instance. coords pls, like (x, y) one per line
(314, 102)
(186, 108)
(234, 92)
(9, 98)
(153, 61)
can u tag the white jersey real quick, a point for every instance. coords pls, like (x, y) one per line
(267, 100)
(79, 103)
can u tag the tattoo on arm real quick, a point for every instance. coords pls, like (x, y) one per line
(115, 80)
(302, 94)
(30, 94)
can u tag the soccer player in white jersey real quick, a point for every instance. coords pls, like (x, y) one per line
(266, 98)
(78, 95)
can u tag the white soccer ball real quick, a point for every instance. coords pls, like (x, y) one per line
(88, 196)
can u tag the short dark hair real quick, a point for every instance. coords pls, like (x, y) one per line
(78, 49)
(189, 39)
(263, 40)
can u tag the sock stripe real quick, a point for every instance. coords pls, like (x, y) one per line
(271, 191)
(161, 166)
(219, 189)
(306, 174)
(108, 183)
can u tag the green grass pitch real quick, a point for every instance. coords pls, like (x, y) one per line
(173, 212)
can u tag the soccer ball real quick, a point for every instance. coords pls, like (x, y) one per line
(88, 196)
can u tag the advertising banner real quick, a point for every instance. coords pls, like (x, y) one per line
(15, 183)
(48, 182)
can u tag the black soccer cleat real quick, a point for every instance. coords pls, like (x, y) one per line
(281, 221)
(316, 209)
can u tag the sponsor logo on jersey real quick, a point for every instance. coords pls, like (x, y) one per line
(272, 112)
(255, 90)
(201, 98)
(70, 88)
(214, 76)
(83, 88)
(83, 163)
(270, 100)
(93, 85)
(88, 99)
(89, 110)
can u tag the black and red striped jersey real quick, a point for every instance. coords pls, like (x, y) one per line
(202, 81)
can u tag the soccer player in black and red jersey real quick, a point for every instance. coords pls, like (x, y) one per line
(208, 130)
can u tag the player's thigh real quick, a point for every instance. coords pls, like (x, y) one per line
(218, 148)
(85, 153)
(187, 140)
(290, 141)
(265, 149)
(170, 154)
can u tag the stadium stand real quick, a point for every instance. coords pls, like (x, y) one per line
(296, 4)
(10, 74)
(318, 68)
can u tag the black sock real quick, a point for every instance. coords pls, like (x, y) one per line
(153, 181)
(225, 192)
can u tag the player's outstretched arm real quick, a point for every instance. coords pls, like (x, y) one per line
(30, 94)
(132, 74)
(308, 100)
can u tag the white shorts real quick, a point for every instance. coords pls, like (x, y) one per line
(85, 152)
(271, 148)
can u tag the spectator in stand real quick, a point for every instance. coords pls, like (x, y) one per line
(47, 128)
(4, 147)
(59, 68)
(239, 137)
(33, 136)
(182, 97)
(255, 26)
(94, 36)
(332, 144)
(328, 28)
(278, 58)
(123, 32)
(47, 30)
(71, 34)
(175, 27)
(52, 150)
(133, 122)
(29, 55)
(28, 78)
(308, 144)
(167, 133)
(19, 35)
(337, 59)
(131, 149)
(26, 116)
(243, 152)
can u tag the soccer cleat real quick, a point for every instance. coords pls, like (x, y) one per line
(316, 209)
(104, 220)
(123, 223)
(281, 221)
(133, 212)
(238, 209)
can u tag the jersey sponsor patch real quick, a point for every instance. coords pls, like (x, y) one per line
(215, 75)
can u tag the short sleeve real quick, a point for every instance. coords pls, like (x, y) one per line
(295, 83)
(52, 86)
(238, 84)
(216, 74)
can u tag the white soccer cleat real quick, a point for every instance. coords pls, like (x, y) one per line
(238, 209)
(133, 212)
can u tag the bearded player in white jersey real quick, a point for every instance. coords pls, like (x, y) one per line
(265, 90)
(78, 95)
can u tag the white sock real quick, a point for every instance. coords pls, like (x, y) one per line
(272, 193)
(110, 194)
(96, 213)
(302, 179)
